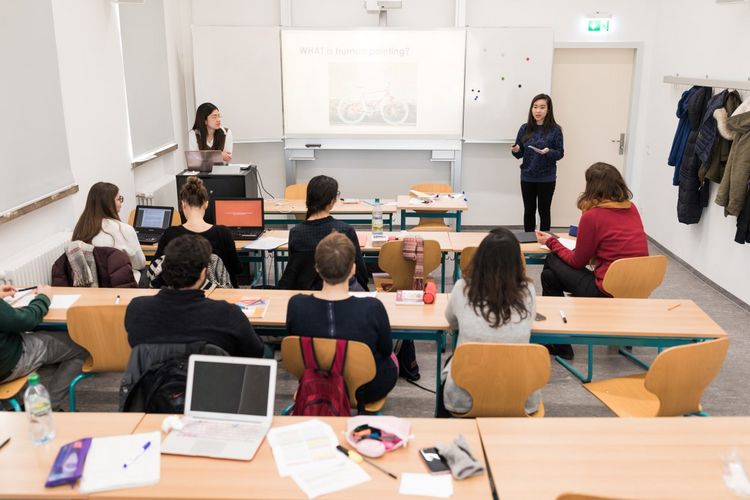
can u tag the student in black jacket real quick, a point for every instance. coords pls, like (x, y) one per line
(332, 313)
(300, 274)
(181, 313)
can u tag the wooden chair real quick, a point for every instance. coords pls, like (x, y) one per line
(635, 277)
(427, 223)
(672, 386)
(359, 367)
(466, 255)
(296, 192)
(391, 260)
(101, 331)
(579, 496)
(9, 391)
(500, 377)
(175, 217)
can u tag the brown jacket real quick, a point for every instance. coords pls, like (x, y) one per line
(713, 169)
(113, 269)
(733, 188)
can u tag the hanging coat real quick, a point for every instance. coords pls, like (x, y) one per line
(691, 197)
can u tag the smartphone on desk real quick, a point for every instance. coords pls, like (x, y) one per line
(434, 462)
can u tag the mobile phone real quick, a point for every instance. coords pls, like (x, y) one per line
(535, 149)
(434, 462)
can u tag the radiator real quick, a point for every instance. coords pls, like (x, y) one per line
(144, 198)
(33, 266)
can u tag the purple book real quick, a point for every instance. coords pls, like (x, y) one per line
(68, 466)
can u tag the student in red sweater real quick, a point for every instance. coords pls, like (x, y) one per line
(610, 228)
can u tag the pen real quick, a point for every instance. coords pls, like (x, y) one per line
(675, 306)
(252, 302)
(7, 440)
(562, 315)
(138, 455)
(117, 300)
(27, 288)
(356, 458)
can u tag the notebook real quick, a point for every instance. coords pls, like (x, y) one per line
(126, 461)
(243, 216)
(228, 407)
(203, 161)
(150, 223)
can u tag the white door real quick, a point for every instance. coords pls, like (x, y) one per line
(591, 91)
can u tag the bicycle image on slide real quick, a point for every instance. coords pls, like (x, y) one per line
(373, 107)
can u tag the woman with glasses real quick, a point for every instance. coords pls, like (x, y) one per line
(100, 225)
(207, 132)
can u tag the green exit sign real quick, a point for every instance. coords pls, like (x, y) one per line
(597, 25)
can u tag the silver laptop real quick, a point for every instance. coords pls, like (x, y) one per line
(228, 407)
(204, 160)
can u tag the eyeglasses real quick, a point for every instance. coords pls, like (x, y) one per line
(120, 198)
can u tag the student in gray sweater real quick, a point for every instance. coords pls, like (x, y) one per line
(494, 303)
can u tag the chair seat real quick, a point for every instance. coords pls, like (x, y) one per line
(626, 396)
(375, 406)
(88, 365)
(10, 389)
(539, 413)
(430, 227)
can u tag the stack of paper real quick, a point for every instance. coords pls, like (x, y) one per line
(125, 461)
(266, 243)
(254, 308)
(58, 301)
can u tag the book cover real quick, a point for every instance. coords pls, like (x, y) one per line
(254, 308)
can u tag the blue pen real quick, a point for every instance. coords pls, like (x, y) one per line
(139, 455)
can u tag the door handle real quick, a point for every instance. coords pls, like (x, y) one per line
(621, 141)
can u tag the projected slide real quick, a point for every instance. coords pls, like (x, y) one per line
(373, 83)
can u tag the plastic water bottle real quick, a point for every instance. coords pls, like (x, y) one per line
(39, 410)
(377, 218)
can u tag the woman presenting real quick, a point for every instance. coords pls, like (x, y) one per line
(208, 134)
(540, 144)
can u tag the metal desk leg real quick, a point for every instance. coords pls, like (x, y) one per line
(439, 360)
(575, 372)
(263, 266)
(458, 221)
(442, 272)
(403, 219)
(390, 221)
(456, 267)
(632, 357)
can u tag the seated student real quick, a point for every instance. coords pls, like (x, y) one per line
(333, 313)
(610, 228)
(194, 202)
(300, 274)
(181, 313)
(22, 351)
(494, 303)
(207, 132)
(100, 225)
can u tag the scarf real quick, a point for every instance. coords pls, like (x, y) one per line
(413, 250)
(82, 264)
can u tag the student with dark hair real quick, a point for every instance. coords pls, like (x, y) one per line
(300, 274)
(610, 228)
(495, 302)
(333, 313)
(207, 132)
(100, 225)
(540, 144)
(180, 312)
(194, 202)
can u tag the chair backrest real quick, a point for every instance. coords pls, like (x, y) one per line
(359, 367)
(391, 260)
(679, 375)
(466, 255)
(296, 191)
(432, 188)
(500, 377)
(101, 331)
(635, 277)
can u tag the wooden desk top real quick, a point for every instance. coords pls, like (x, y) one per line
(464, 239)
(283, 206)
(365, 241)
(194, 477)
(441, 204)
(646, 458)
(24, 467)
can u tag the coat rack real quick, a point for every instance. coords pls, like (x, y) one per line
(708, 82)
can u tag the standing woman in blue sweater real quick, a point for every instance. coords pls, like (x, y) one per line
(540, 144)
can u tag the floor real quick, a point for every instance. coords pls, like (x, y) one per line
(563, 395)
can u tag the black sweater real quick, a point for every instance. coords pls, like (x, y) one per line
(221, 243)
(185, 316)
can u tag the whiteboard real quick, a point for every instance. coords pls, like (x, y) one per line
(505, 69)
(144, 57)
(32, 132)
(238, 68)
(373, 83)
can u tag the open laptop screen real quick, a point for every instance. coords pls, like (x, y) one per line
(153, 217)
(231, 388)
(239, 213)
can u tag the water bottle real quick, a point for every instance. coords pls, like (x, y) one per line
(377, 218)
(39, 410)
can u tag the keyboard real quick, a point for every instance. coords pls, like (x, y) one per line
(245, 234)
(223, 431)
(148, 238)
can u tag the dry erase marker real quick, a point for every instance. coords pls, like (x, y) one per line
(675, 306)
(562, 315)
(25, 289)
(117, 300)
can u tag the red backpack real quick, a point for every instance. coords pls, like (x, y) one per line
(322, 392)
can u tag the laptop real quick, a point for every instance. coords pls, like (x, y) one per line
(204, 160)
(243, 216)
(228, 408)
(150, 223)
(525, 237)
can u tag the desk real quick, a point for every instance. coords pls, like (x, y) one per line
(24, 466)
(298, 207)
(440, 208)
(630, 458)
(193, 477)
